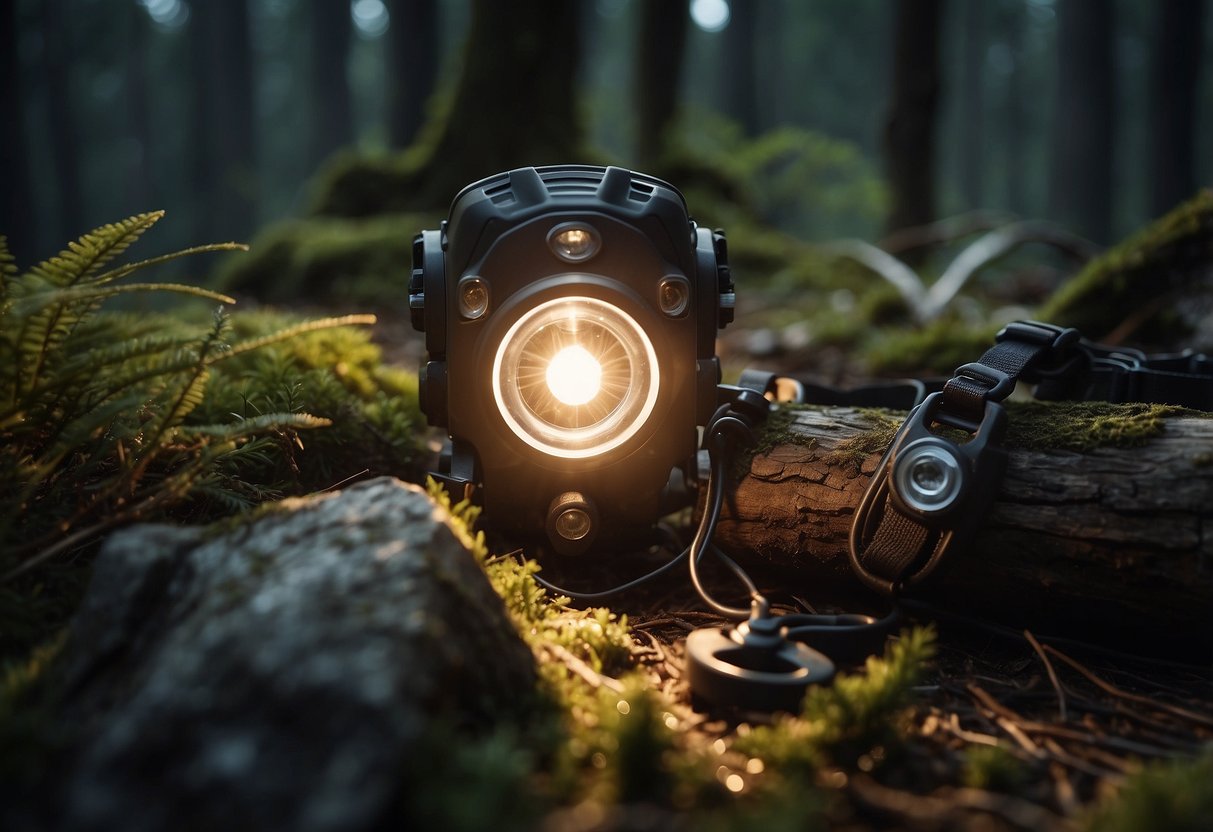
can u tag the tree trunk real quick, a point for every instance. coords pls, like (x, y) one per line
(140, 193)
(909, 137)
(972, 85)
(1081, 196)
(740, 62)
(517, 104)
(412, 55)
(222, 167)
(1016, 112)
(663, 34)
(16, 200)
(1111, 544)
(1174, 82)
(64, 138)
(332, 120)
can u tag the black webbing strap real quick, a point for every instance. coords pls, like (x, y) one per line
(899, 394)
(1116, 375)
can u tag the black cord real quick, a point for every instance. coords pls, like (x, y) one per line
(615, 590)
(717, 441)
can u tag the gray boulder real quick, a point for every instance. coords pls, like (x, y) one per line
(284, 672)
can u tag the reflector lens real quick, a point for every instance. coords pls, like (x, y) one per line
(575, 377)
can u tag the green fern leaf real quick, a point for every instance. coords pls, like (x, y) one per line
(8, 267)
(85, 256)
(295, 331)
(259, 424)
(126, 352)
(80, 430)
(186, 399)
(123, 271)
(33, 303)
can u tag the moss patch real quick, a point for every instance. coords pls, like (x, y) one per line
(325, 259)
(1165, 257)
(1083, 426)
(875, 440)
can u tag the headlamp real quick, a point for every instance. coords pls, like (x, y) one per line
(570, 316)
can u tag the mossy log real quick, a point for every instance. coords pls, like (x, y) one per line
(1103, 528)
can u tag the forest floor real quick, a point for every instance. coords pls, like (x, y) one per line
(1011, 730)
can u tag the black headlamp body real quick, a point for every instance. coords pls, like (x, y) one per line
(495, 291)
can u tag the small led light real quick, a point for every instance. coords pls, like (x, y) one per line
(573, 242)
(574, 376)
(928, 477)
(473, 294)
(674, 295)
(573, 524)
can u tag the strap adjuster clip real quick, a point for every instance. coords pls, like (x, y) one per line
(1038, 333)
(999, 384)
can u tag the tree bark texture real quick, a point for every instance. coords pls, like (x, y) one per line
(1113, 544)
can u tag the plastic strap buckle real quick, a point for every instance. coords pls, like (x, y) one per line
(1038, 333)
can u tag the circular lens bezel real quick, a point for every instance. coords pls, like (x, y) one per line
(622, 423)
(909, 493)
(466, 283)
(682, 283)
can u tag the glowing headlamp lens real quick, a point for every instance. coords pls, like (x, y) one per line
(575, 377)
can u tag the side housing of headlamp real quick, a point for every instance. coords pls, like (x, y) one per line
(534, 260)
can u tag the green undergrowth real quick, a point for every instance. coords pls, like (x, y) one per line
(937, 348)
(612, 745)
(850, 718)
(108, 418)
(1168, 258)
(327, 259)
(1174, 796)
(28, 731)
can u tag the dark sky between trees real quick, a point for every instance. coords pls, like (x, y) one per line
(1097, 115)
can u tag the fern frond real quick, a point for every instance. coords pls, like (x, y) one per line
(295, 331)
(32, 303)
(128, 351)
(123, 271)
(78, 431)
(8, 267)
(85, 256)
(259, 424)
(187, 397)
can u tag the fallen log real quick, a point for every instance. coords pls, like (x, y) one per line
(1103, 528)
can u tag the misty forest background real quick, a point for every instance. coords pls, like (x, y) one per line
(855, 117)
